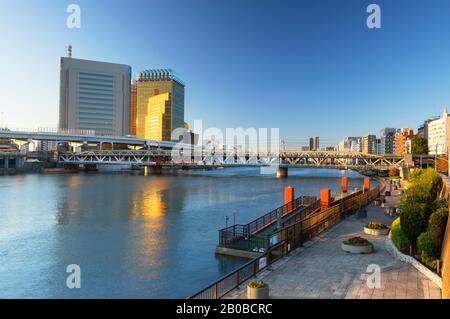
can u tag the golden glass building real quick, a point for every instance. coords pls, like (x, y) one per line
(133, 108)
(160, 104)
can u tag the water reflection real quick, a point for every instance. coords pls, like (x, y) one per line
(133, 236)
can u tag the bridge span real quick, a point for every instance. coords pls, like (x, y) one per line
(205, 159)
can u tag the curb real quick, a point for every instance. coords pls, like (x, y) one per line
(392, 249)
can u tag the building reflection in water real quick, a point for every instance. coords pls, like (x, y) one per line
(153, 208)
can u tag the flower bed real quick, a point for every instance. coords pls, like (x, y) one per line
(257, 290)
(357, 245)
(376, 229)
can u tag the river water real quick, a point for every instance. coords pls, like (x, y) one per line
(133, 236)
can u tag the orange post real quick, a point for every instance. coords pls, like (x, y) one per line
(289, 197)
(344, 184)
(366, 184)
(325, 199)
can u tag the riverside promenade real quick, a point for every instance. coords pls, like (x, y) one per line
(320, 269)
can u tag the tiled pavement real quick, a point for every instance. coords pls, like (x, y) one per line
(321, 269)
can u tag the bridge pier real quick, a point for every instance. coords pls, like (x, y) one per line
(282, 172)
(154, 170)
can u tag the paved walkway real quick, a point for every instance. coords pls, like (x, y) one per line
(321, 269)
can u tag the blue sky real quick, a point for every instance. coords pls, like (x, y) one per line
(307, 67)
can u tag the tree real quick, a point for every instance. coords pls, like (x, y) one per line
(419, 146)
(412, 219)
(394, 172)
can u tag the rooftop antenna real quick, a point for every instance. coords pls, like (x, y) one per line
(69, 51)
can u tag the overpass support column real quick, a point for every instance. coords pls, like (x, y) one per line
(282, 172)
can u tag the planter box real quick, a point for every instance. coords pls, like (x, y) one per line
(376, 232)
(357, 249)
(258, 293)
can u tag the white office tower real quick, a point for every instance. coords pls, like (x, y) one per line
(94, 96)
(438, 134)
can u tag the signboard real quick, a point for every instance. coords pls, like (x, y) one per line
(273, 240)
(262, 262)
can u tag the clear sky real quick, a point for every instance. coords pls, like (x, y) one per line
(307, 67)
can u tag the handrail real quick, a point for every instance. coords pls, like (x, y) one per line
(223, 286)
(262, 222)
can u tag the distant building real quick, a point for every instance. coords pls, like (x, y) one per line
(314, 143)
(160, 104)
(403, 140)
(379, 149)
(47, 146)
(94, 96)
(190, 137)
(369, 144)
(348, 144)
(387, 140)
(422, 131)
(133, 107)
(356, 146)
(438, 134)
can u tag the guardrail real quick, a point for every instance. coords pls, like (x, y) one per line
(236, 232)
(286, 240)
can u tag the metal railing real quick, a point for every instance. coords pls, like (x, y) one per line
(236, 232)
(287, 239)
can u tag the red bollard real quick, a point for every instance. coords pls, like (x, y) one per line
(325, 199)
(344, 184)
(366, 184)
(289, 197)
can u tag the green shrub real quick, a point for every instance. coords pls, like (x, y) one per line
(257, 284)
(357, 241)
(398, 236)
(412, 219)
(427, 246)
(439, 203)
(437, 224)
(431, 262)
(376, 225)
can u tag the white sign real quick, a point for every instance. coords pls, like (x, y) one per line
(262, 263)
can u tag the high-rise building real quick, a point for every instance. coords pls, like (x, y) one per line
(378, 151)
(94, 96)
(160, 104)
(314, 143)
(348, 144)
(438, 134)
(387, 137)
(422, 131)
(369, 144)
(133, 107)
(403, 140)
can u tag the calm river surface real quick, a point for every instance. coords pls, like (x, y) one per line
(133, 236)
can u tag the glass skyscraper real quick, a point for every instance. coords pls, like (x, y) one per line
(160, 104)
